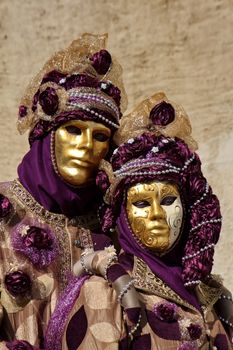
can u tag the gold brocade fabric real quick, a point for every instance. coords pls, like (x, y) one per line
(27, 317)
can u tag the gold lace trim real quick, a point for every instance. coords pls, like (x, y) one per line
(147, 281)
(88, 221)
(209, 295)
(27, 201)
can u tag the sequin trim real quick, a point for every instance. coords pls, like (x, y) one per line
(57, 323)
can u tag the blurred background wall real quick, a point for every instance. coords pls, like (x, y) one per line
(184, 48)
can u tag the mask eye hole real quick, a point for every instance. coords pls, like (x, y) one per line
(74, 130)
(168, 200)
(141, 204)
(101, 137)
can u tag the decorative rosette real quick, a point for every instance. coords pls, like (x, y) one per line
(166, 311)
(18, 283)
(37, 242)
(101, 61)
(157, 115)
(22, 111)
(191, 329)
(162, 114)
(49, 101)
(194, 330)
(5, 206)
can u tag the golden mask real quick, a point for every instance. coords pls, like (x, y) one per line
(155, 214)
(79, 147)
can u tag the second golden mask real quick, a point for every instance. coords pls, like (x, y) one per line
(79, 147)
(155, 214)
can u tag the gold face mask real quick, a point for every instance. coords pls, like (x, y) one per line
(79, 147)
(155, 214)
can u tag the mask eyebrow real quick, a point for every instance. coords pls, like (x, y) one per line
(76, 122)
(107, 132)
(139, 196)
(168, 190)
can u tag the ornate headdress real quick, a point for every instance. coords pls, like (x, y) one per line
(82, 81)
(158, 115)
(154, 148)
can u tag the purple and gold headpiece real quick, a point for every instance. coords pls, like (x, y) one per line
(155, 142)
(82, 81)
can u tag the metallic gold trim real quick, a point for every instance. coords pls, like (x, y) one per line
(28, 202)
(147, 281)
(209, 295)
(25, 199)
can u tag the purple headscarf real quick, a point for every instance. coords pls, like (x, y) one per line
(168, 268)
(37, 175)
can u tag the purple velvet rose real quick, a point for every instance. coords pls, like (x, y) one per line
(54, 76)
(19, 345)
(22, 111)
(165, 311)
(39, 244)
(162, 114)
(18, 283)
(194, 330)
(101, 61)
(38, 238)
(49, 101)
(77, 80)
(5, 206)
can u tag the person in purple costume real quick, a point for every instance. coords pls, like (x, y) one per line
(48, 216)
(159, 292)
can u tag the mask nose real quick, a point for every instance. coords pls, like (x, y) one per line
(157, 212)
(86, 139)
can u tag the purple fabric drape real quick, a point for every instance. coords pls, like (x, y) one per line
(57, 322)
(37, 175)
(166, 268)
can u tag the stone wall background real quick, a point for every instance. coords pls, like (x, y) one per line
(182, 47)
